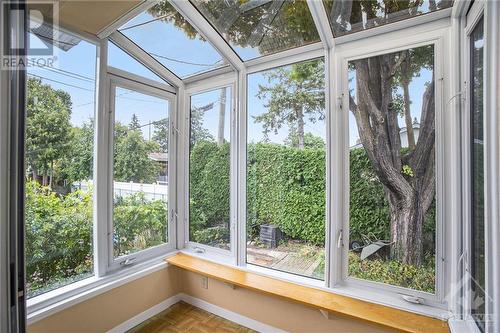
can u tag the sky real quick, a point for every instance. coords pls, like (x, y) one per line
(75, 74)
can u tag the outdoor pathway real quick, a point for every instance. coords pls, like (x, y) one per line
(283, 260)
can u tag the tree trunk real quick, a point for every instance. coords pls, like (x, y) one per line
(300, 129)
(409, 196)
(51, 173)
(408, 120)
(407, 219)
(222, 116)
(44, 179)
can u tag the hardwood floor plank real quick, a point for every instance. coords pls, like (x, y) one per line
(185, 318)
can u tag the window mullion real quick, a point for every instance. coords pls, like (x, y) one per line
(102, 171)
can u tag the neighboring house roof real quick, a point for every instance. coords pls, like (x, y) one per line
(402, 134)
(159, 157)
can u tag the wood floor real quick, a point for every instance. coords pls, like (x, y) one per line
(185, 318)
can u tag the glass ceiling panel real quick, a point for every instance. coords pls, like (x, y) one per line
(164, 33)
(120, 59)
(352, 16)
(255, 28)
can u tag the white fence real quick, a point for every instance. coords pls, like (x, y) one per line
(120, 189)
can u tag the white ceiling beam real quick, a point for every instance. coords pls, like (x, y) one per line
(200, 23)
(145, 58)
(207, 75)
(287, 57)
(322, 22)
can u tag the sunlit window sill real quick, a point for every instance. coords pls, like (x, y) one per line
(381, 297)
(51, 302)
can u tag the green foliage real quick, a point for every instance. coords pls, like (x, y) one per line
(292, 94)
(408, 171)
(59, 233)
(394, 273)
(197, 132)
(78, 164)
(58, 236)
(134, 123)
(369, 211)
(209, 171)
(214, 236)
(138, 223)
(310, 140)
(286, 187)
(48, 128)
(293, 24)
(132, 163)
(160, 134)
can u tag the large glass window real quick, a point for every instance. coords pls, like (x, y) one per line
(254, 28)
(352, 16)
(478, 282)
(392, 212)
(59, 165)
(286, 145)
(140, 169)
(209, 168)
(167, 36)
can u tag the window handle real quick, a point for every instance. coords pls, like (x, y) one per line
(128, 261)
(340, 240)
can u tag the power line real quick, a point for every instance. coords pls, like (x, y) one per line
(185, 62)
(67, 73)
(56, 81)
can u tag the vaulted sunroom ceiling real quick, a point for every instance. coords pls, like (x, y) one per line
(169, 30)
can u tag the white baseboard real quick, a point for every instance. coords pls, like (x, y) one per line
(199, 303)
(229, 315)
(143, 316)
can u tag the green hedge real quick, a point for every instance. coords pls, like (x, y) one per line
(286, 187)
(209, 171)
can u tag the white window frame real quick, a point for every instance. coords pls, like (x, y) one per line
(488, 11)
(435, 33)
(410, 31)
(262, 64)
(227, 80)
(163, 92)
(470, 22)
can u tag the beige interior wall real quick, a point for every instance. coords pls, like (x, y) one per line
(279, 313)
(89, 16)
(110, 309)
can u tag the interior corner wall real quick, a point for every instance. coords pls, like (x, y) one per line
(270, 310)
(114, 307)
(110, 309)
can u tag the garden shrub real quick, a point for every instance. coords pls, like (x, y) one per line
(394, 273)
(214, 236)
(59, 233)
(58, 237)
(138, 223)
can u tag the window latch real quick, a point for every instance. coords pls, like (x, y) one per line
(340, 239)
(128, 262)
(412, 299)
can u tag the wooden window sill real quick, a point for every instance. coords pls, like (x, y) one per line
(325, 301)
